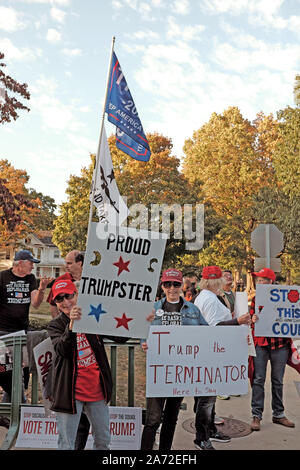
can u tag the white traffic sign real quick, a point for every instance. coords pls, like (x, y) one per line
(267, 241)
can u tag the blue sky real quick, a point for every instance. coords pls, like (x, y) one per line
(182, 59)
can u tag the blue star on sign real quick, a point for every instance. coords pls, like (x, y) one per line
(97, 311)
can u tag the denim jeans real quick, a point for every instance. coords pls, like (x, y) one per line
(160, 410)
(98, 414)
(205, 416)
(278, 359)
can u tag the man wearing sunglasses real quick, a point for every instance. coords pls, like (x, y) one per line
(81, 373)
(172, 309)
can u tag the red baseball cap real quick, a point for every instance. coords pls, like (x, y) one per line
(65, 286)
(266, 272)
(172, 275)
(211, 272)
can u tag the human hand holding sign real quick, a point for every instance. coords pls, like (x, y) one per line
(75, 314)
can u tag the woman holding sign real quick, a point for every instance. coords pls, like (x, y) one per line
(170, 310)
(82, 375)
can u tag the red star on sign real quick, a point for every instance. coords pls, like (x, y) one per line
(122, 265)
(123, 321)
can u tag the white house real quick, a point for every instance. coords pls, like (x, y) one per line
(41, 246)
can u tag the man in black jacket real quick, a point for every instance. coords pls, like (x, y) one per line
(81, 376)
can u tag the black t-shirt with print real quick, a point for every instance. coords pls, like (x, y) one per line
(15, 293)
(171, 313)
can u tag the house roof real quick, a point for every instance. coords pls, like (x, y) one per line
(45, 237)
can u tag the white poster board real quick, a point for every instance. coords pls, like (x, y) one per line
(240, 308)
(38, 431)
(278, 311)
(119, 280)
(197, 360)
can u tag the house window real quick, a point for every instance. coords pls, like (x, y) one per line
(39, 253)
(56, 254)
(57, 272)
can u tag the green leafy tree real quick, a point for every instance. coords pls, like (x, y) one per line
(280, 203)
(46, 216)
(70, 227)
(158, 181)
(229, 159)
(286, 154)
(273, 205)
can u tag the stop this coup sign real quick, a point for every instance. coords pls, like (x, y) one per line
(278, 311)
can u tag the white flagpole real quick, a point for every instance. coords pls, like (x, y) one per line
(97, 163)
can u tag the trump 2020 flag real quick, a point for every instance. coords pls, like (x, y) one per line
(121, 112)
(110, 205)
(132, 148)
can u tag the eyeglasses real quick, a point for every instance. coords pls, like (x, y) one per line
(171, 283)
(60, 298)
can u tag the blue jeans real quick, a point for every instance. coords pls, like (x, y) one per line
(278, 359)
(98, 414)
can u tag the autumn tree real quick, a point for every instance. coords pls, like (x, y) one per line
(286, 154)
(9, 105)
(70, 227)
(158, 181)
(229, 158)
(297, 90)
(45, 218)
(280, 203)
(17, 211)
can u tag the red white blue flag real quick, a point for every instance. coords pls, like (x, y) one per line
(121, 111)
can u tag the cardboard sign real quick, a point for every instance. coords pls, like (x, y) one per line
(119, 280)
(240, 308)
(38, 431)
(278, 311)
(197, 360)
(44, 355)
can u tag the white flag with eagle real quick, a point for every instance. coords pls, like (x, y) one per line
(110, 205)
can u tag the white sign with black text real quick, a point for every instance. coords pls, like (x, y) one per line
(119, 280)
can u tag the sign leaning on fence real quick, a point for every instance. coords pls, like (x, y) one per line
(119, 280)
(197, 360)
(278, 311)
(39, 431)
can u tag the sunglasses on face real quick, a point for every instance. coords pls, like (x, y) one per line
(61, 298)
(171, 283)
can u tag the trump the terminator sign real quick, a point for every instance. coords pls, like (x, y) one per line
(197, 360)
(119, 280)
